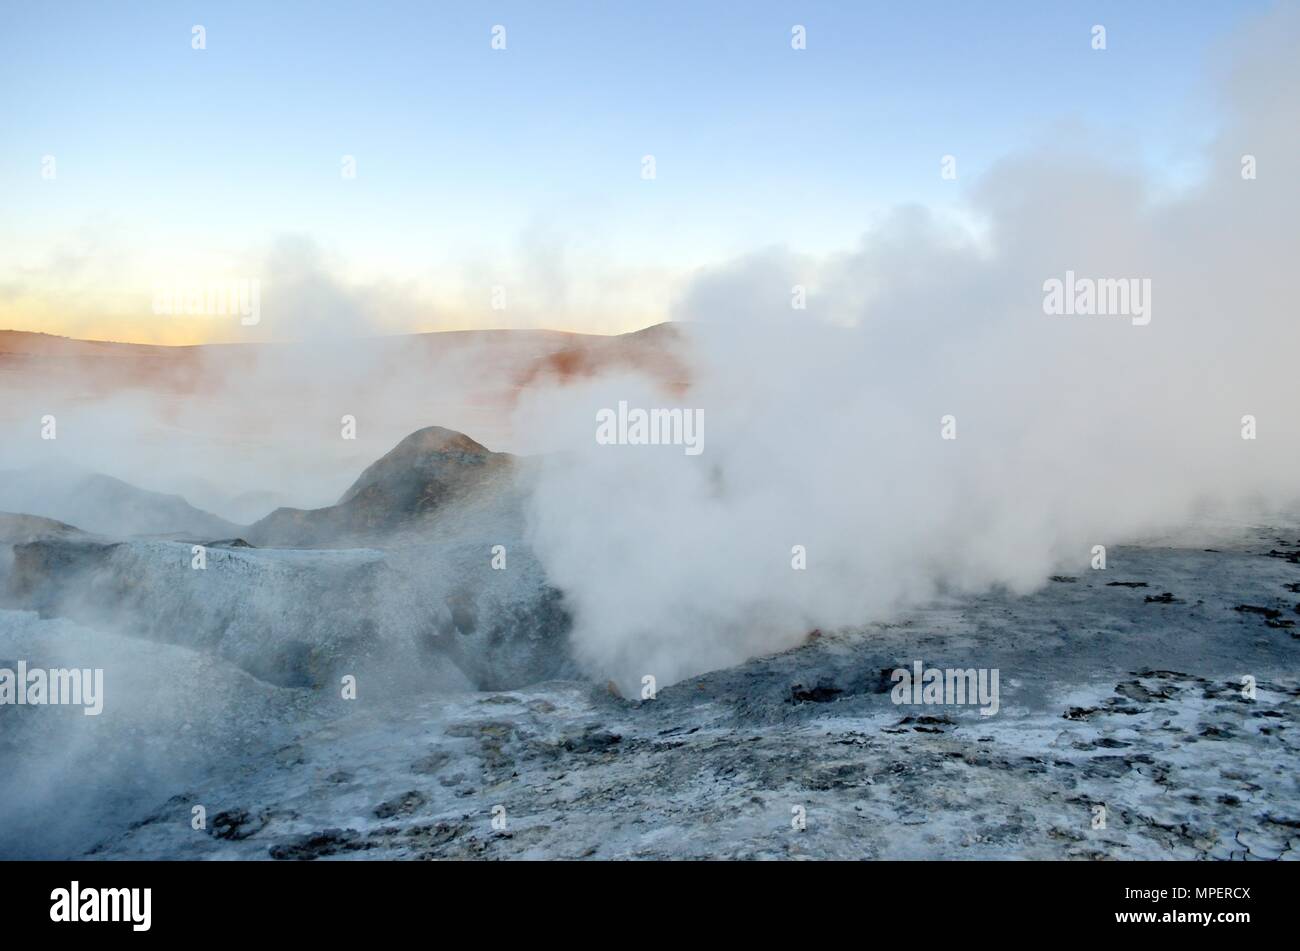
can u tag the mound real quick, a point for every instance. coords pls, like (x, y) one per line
(422, 475)
(19, 529)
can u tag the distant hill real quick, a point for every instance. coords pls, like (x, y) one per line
(251, 396)
(103, 505)
(523, 356)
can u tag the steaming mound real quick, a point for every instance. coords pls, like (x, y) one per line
(23, 529)
(421, 476)
(430, 617)
(169, 715)
(20, 529)
(103, 505)
(289, 618)
(435, 608)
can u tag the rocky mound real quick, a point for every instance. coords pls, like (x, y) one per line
(19, 529)
(435, 607)
(421, 476)
(428, 617)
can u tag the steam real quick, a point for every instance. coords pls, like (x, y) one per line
(825, 424)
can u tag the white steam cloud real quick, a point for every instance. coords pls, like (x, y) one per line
(824, 424)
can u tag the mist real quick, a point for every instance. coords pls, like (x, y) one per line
(358, 589)
(825, 425)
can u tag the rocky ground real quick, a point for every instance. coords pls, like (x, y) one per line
(1120, 689)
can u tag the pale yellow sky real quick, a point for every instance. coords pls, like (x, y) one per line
(94, 290)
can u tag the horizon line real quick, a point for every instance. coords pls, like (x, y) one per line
(393, 336)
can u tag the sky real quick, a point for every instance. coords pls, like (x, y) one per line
(519, 172)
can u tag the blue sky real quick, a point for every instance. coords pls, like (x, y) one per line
(468, 157)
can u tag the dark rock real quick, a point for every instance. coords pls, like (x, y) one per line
(432, 763)
(236, 824)
(822, 693)
(314, 845)
(1136, 690)
(592, 741)
(1080, 713)
(1269, 613)
(403, 805)
(928, 721)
